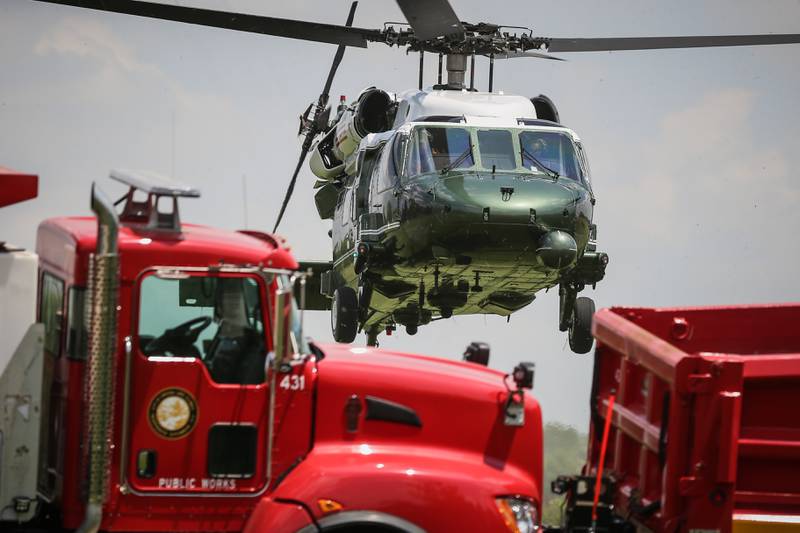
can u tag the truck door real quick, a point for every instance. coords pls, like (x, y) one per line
(198, 402)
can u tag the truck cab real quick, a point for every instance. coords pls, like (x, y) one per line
(177, 391)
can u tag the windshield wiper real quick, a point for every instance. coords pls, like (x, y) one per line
(458, 160)
(549, 171)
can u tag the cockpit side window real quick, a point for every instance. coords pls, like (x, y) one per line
(548, 151)
(215, 319)
(584, 161)
(433, 148)
(497, 150)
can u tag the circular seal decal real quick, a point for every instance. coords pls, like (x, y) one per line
(173, 413)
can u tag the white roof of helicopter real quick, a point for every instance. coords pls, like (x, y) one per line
(477, 108)
(481, 108)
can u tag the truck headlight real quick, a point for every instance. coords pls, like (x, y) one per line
(519, 514)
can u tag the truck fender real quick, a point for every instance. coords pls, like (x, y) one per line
(279, 515)
(419, 478)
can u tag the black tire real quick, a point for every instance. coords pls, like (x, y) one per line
(580, 331)
(344, 314)
(411, 329)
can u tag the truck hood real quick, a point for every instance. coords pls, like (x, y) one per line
(459, 407)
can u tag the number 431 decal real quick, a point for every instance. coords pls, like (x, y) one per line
(293, 382)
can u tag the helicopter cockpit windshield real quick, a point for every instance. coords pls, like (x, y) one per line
(441, 149)
(437, 148)
(551, 153)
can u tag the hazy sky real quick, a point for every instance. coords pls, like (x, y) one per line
(694, 152)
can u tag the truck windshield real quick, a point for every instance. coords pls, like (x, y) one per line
(215, 319)
(434, 148)
(549, 152)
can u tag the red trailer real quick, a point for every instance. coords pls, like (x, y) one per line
(704, 429)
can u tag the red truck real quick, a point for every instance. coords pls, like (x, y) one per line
(166, 385)
(704, 426)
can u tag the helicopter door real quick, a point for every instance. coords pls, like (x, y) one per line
(198, 399)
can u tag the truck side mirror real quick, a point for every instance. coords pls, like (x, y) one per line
(523, 375)
(477, 352)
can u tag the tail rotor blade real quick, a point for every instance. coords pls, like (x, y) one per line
(290, 189)
(316, 124)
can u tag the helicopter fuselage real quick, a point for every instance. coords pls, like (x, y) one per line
(450, 214)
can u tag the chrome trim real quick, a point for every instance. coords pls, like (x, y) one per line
(126, 409)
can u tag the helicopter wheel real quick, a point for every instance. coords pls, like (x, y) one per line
(344, 314)
(580, 330)
(412, 329)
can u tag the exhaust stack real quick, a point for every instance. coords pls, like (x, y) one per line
(101, 317)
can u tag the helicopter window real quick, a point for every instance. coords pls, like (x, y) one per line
(546, 151)
(584, 161)
(399, 147)
(433, 148)
(217, 320)
(384, 171)
(497, 149)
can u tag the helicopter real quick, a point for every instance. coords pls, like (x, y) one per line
(444, 200)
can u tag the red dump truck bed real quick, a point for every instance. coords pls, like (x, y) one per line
(705, 430)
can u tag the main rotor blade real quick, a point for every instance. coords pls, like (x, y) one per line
(604, 44)
(527, 53)
(339, 53)
(292, 29)
(431, 18)
(290, 189)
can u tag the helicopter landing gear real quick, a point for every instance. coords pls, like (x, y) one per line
(412, 329)
(361, 257)
(372, 337)
(364, 298)
(575, 317)
(344, 314)
(580, 331)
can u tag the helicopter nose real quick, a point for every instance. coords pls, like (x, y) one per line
(509, 200)
(557, 249)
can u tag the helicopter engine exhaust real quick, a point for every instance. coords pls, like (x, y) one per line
(545, 108)
(373, 112)
(557, 249)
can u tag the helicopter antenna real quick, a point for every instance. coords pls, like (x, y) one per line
(421, 65)
(320, 121)
(472, 76)
(491, 71)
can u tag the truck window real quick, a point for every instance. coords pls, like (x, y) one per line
(76, 324)
(217, 320)
(51, 314)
